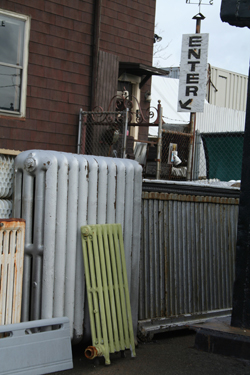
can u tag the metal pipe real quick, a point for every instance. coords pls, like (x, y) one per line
(96, 44)
(97, 351)
(125, 135)
(79, 132)
(191, 143)
(159, 144)
(91, 352)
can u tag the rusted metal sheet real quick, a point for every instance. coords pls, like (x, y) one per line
(189, 198)
(12, 233)
(187, 259)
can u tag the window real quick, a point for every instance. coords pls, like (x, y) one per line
(14, 38)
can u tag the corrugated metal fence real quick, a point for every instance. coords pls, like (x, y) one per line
(187, 259)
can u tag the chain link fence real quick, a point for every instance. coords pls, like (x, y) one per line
(218, 156)
(174, 158)
(103, 133)
(214, 157)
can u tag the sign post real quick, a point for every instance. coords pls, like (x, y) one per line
(193, 79)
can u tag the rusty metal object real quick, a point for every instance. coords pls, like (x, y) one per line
(189, 198)
(122, 103)
(177, 133)
(12, 233)
(91, 352)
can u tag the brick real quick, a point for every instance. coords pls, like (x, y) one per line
(5, 133)
(36, 48)
(87, 7)
(112, 14)
(39, 114)
(63, 22)
(37, 92)
(54, 8)
(74, 14)
(55, 74)
(40, 27)
(45, 17)
(62, 32)
(79, 47)
(73, 4)
(40, 136)
(60, 61)
(36, 81)
(55, 117)
(76, 99)
(54, 41)
(36, 70)
(38, 37)
(19, 134)
(67, 130)
(45, 126)
(83, 27)
(25, 4)
(12, 122)
(76, 57)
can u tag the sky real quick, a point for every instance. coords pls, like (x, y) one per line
(229, 46)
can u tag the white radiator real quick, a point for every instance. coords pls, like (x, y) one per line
(57, 193)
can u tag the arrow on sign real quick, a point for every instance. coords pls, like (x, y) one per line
(185, 105)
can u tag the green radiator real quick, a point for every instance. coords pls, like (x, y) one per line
(107, 290)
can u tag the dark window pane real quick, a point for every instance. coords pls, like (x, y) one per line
(10, 83)
(11, 40)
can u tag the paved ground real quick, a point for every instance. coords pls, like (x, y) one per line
(171, 353)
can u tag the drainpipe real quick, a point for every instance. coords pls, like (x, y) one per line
(95, 51)
(125, 134)
(191, 146)
(79, 132)
(96, 46)
(159, 144)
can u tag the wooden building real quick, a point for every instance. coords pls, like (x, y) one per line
(58, 56)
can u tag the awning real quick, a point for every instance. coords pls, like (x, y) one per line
(141, 70)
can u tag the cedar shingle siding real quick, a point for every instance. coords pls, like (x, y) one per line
(60, 64)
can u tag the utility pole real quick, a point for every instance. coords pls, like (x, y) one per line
(237, 13)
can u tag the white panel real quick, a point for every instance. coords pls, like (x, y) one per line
(6, 176)
(5, 208)
(230, 94)
(218, 120)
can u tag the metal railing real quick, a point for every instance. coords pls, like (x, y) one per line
(103, 133)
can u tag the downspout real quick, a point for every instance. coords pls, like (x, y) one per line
(96, 46)
(95, 51)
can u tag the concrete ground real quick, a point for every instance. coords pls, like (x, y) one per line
(171, 353)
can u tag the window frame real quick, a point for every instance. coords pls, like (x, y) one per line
(23, 88)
